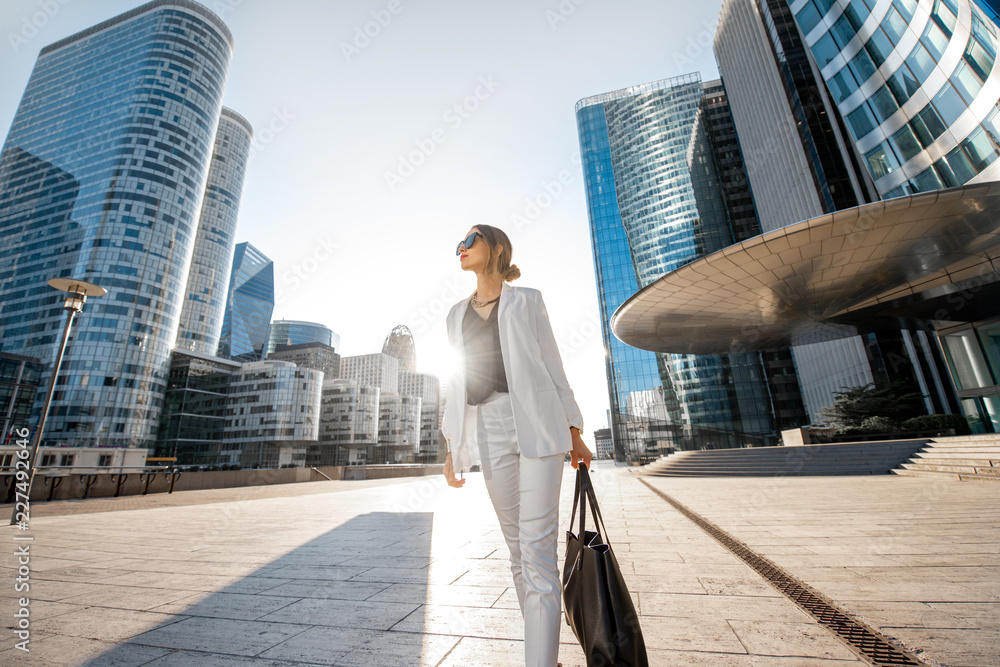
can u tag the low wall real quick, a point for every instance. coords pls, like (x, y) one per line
(104, 485)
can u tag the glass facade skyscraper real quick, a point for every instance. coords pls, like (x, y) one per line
(917, 84)
(101, 178)
(665, 186)
(208, 279)
(249, 305)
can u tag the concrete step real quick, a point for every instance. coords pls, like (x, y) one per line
(903, 472)
(957, 459)
(957, 469)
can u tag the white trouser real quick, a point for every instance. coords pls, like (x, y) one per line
(525, 495)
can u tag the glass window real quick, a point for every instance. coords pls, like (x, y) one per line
(920, 62)
(989, 336)
(843, 31)
(884, 104)
(861, 121)
(897, 191)
(825, 50)
(967, 83)
(955, 168)
(903, 84)
(968, 364)
(856, 13)
(881, 161)
(926, 181)
(878, 47)
(905, 143)
(981, 149)
(870, 4)
(862, 66)
(944, 14)
(906, 7)
(843, 84)
(935, 41)
(823, 6)
(948, 104)
(979, 59)
(808, 18)
(894, 25)
(927, 125)
(992, 124)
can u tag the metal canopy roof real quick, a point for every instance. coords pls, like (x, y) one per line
(901, 263)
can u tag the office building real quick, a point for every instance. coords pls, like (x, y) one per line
(249, 304)
(194, 410)
(428, 388)
(317, 356)
(272, 414)
(294, 332)
(665, 186)
(399, 422)
(604, 447)
(917, 85)
(373, 370)
(208, 278)
(349, 424)
(102, 177)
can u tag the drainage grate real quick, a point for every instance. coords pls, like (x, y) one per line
(869, 643)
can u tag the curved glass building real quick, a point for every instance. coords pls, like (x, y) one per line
(101, 178)
(295, 332)
(208, 279)
(665, 185)
(917, 83)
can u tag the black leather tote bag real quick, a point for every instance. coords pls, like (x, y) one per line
(596, 601)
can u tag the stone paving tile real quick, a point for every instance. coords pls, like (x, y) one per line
(221, 635)
(62, 650)
(805, 640)
(112, 625)
(352, 646)
(343, 613)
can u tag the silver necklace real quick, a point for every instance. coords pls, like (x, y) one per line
(476, 303)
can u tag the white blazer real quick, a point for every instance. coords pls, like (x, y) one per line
(544, 407)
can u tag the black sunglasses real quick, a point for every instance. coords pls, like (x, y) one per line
(468, 241)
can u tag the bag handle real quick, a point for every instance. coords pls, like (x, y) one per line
(585, 488)
(588, 488)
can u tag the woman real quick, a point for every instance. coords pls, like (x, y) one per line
(511, 411)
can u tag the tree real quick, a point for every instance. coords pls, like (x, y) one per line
(892, 404)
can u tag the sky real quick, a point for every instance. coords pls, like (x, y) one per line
(385, 129)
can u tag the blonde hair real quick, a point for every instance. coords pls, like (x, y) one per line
(499, 264)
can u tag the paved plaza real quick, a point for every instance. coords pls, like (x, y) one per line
(411, 572)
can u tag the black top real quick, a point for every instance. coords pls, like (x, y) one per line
(484, 370)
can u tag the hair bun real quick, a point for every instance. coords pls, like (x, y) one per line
(512, 273)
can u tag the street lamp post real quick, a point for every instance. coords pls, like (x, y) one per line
(77, 292)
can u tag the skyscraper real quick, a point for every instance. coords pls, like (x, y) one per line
(249, 304)
(101, 178)
(208, 279)
(917, 85)
(661, 192)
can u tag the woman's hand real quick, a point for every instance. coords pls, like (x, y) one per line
(449, 473)
(580, 451)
